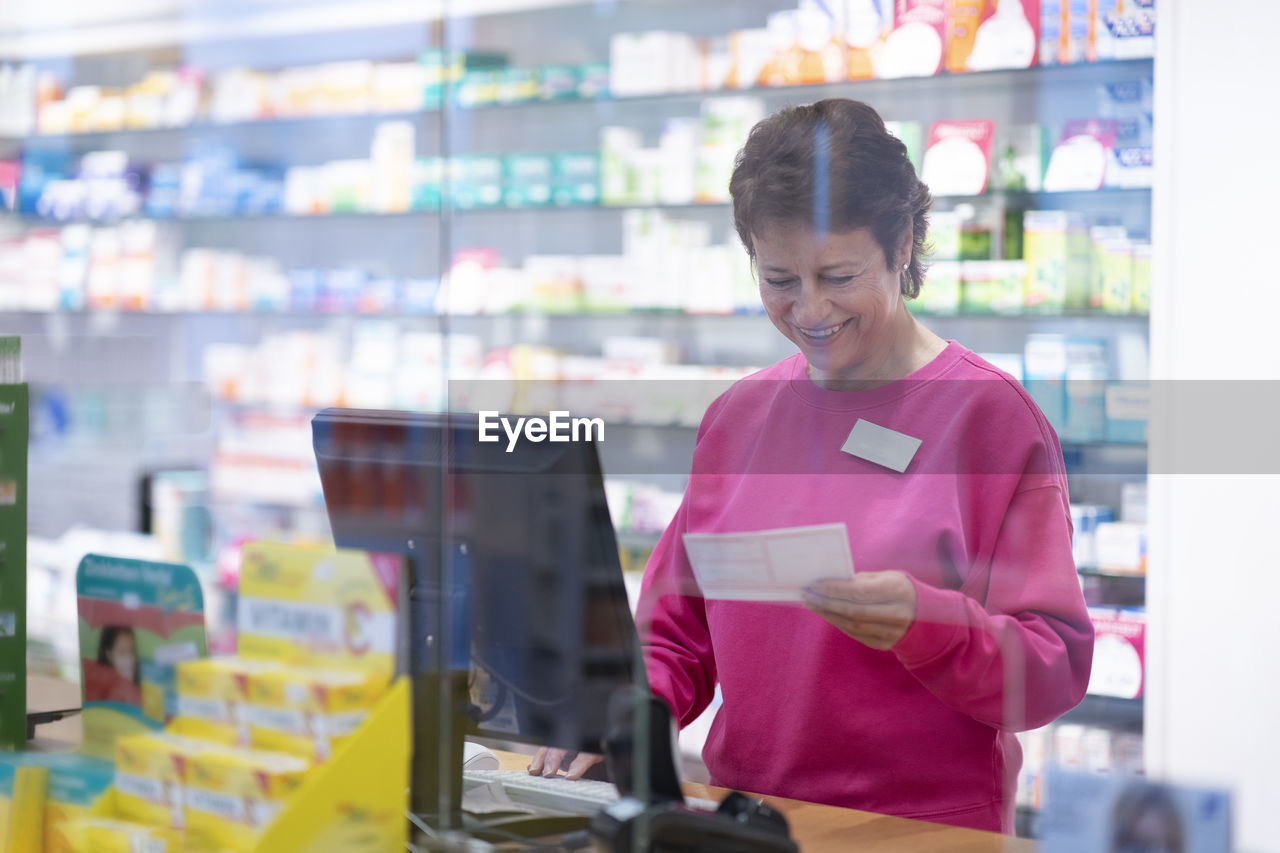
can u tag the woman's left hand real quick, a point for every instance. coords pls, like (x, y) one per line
(874, 608)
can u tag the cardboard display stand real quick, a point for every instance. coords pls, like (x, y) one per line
(13, 566)
(320, 607)
(138, 620)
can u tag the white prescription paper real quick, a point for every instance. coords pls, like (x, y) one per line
(768, 565)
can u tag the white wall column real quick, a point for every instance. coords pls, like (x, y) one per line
(1213, 698)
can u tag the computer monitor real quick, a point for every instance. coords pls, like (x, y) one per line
(517, 600)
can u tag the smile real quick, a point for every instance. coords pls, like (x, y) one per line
(824, 333)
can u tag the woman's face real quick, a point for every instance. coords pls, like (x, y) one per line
(832, 295)
(124, 656)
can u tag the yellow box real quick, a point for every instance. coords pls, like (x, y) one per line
(79, 785)
(151, 777)
(40, 792)
(309, 712)
(22, 794)
(212, 691)
(319, 607)
(101, 835)
(233, 794)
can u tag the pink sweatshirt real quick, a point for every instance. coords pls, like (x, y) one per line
(1001, 640)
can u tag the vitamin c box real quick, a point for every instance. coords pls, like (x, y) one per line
(212, 692)
(151, 777)
(309, 712)
(232, 794)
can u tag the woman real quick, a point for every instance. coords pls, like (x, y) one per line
(896, 691)
(114, 676)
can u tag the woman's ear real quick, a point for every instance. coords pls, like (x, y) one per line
(904, 250)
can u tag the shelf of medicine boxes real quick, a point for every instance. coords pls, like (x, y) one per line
(954, 84)
(623, 316)
(1018, 198)
(1112, 710)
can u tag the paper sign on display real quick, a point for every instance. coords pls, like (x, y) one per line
(768, 565)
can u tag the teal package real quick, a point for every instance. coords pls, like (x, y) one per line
(560, 82)
(593, 80)
(478, 88)
(1086, 388)
(526, 180)
(1128, 412)
(477, 181)
(575, 179)
(518, 85)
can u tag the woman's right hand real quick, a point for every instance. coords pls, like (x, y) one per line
(547, 762)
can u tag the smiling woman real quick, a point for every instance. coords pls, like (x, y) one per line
(897, 690)
(830, 210)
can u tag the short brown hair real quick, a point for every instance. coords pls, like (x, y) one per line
(832, 165)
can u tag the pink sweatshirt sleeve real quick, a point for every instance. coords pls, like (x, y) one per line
(671, 619)
(1016, 651)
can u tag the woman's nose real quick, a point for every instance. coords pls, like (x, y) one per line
(810, 307)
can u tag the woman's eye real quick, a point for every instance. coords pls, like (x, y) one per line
(839, 279)
(779, 282)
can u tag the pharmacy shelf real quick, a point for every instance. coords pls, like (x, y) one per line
(205, 126)
(1113, 589)
(55, 34)
(1109, 574)
(954, 84)
(1007, 196)
(639, 541)
(863, 89)
(1107, 711)
(565, 317)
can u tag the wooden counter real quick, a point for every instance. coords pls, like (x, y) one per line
(827, 829)
(817, 829)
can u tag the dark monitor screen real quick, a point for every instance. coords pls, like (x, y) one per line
(519, 545)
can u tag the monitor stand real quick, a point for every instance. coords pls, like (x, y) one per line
(439, 806)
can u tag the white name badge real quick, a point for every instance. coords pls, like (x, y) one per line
(881, 445)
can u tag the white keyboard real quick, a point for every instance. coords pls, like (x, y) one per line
(581, 797)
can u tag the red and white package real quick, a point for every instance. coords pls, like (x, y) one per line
(1079, 160)
(915, 47)
(957, 159)
(1119, 652)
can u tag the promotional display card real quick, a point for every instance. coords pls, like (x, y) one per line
(138, 620)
